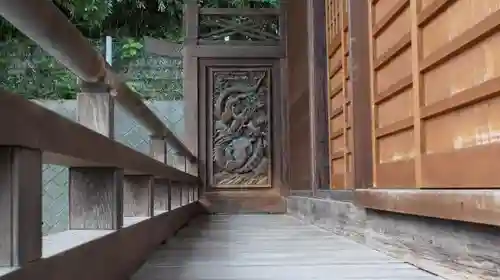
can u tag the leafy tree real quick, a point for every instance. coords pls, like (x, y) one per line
(31, 72)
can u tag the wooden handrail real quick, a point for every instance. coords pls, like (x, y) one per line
(64, 142)
(51, 30)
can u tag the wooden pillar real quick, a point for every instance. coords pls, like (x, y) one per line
(162, 192)
(21, 206)
(96, 193)
(190, 81)
(318, 100)
(361, 103)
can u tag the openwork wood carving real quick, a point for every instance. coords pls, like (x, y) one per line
(234, 29)
(240, 131)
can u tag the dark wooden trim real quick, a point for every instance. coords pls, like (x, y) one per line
(318, 93)
(391, 15)
(394, 89)
(472, 167)
(240, 11)
(467, 39)
(359, 66)
(213, 51)
(470, 96)
(398, 48)
(476, 206)
(394, 128)
(432, 11)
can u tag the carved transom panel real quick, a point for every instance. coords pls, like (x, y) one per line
(240, 127)
(237, 28)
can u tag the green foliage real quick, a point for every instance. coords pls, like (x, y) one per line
(33, 73)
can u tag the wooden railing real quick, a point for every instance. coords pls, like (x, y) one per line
(107, 180)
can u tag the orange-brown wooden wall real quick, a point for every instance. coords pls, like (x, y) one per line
(435, 83)
(339, 109)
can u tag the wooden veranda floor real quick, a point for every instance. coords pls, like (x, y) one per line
(251, 247)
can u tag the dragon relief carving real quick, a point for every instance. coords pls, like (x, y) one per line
(240, 143)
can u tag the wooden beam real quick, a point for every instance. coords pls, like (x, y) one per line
(33, 126)
(476, 206)
(21, 206)
(239, 11)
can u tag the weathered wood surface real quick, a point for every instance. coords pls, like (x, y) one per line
(452, 249)
(33, 126)
(268, 247)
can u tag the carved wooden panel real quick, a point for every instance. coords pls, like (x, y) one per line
(240, 127)
(224, 27)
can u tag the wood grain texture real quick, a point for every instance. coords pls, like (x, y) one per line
(95, 198)
(227, 202)
(21, 204)
(33, 126)
(109, 254)
(258, 247)
(138, 196)
(450, 249)
(95, 110)
(162, 197)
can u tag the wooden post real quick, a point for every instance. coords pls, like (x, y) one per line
(21, 206)
(318, 94)
(96, 193)
(162, 192)
(190, 81)
(138, 196)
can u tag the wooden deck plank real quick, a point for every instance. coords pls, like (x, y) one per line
(274, 247)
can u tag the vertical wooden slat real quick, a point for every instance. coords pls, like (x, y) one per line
(96, 193)
(416, 51)
(21, 206)
(138, 196)
(344, 91)
(373, 86)
(162, 197)
(361, 102)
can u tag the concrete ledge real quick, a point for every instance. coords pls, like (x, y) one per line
(106, 256)
(450, 249)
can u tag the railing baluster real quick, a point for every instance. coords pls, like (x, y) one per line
(162, 193)
(138, 196)
(21, 206)
(96, 193)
